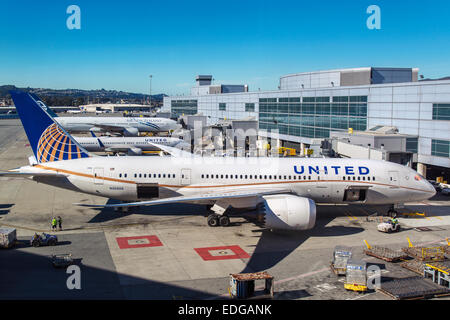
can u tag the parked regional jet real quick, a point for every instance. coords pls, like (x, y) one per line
(133, 146)
(286, 189)
(130, 126)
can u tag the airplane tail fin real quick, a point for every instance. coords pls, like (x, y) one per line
(49, 141)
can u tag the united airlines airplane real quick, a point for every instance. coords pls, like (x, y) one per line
(133, 146)
(129, 127)
(286, 189)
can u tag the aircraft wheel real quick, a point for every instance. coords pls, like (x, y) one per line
(224, 221)
(213, 220)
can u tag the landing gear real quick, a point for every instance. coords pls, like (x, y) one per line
(224, 221)
(392, 212)
(215, 220)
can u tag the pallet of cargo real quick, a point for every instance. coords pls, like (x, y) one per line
(385, 254)
(426, 254)
(414, 266)
(8, 238)
(439, 272)
(242, 286)
(412, 288)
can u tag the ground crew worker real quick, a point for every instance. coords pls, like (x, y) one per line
(59, 220)
(394, 220)
(54, 223)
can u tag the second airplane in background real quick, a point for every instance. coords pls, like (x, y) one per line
(129, 127)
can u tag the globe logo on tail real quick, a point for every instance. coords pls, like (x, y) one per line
(55, 145)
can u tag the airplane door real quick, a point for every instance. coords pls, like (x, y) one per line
(98, 174)
(185, 177)
(393, 178)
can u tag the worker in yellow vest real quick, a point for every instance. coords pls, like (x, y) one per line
(54, 223)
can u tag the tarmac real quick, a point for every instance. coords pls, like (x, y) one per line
(169, 252)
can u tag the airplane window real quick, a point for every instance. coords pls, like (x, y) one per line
(285, 177)
(251, 177)
(265, 177)
(154, 175)
(140, 175)
(241, 176)
(217, 176)
(354, 178)
(207, 176)
(173, 176)
(290, 177)
(125, 175)
(309, 177)
(359, 178)
(182, 176)
(270, 177)
(318, 178)
(145, 175)
(245, 176)
(202, 176)
(364, 178)
(135, 175)
(368, 178)
(120, 175)
(373, 178)
(221, 176)
(164, 175)
(159, 175)
(343, 178)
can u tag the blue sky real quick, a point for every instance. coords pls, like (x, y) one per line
(237, 41)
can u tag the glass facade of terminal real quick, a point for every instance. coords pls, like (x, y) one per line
(180, 107)
(440, 148)
(441, 111)
(313, 117)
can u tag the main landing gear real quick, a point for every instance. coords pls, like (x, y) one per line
(215, 220)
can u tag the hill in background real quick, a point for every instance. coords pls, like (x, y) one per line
(76, 97)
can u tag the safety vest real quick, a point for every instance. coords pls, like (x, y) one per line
(54, 222)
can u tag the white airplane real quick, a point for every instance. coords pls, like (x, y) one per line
(130, 126)
(133, 146)
(286, 189)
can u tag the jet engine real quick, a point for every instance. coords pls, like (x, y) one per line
(130, 132)
(288, 212)
(135, 152)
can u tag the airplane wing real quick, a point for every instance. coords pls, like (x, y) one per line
(17, 174)
(175, 152)
(191, 199)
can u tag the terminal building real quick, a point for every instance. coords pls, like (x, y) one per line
(308, 106)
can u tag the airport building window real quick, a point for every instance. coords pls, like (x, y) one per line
(412, 145)
(441, 111)
(440, 148)
(222, 106)
(180, 107)
(315, 117)
(250, 107)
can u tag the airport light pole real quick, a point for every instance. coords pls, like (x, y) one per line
(151, 76)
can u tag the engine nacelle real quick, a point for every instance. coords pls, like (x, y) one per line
(289, 212)
(130, 132)
(135, 152)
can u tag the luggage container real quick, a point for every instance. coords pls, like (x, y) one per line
(242, 286)
(356, 276)
(341, 255)
(8, 237)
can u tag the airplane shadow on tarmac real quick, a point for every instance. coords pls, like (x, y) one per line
(31, 276)
(176, 209)
(273, 247)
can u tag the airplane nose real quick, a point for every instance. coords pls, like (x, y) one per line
(431, 189)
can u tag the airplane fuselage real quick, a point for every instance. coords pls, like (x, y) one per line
(323, 180)
(84, 124)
